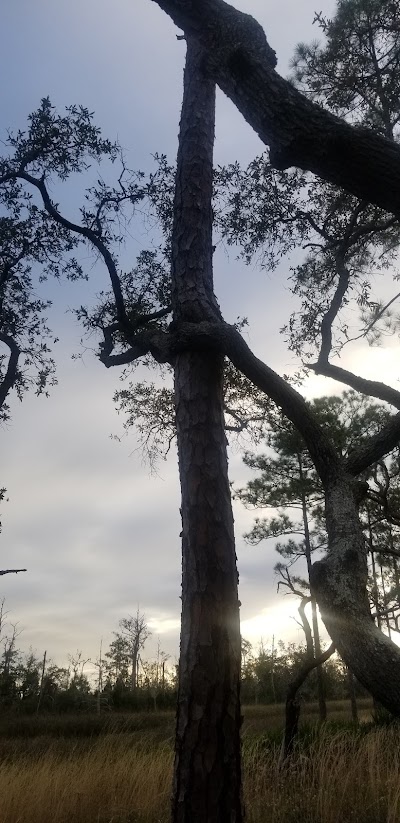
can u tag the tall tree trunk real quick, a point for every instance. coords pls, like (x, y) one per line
(314, 617)
(340, 581)
(41, 683)
(134, 672)
(207, 771)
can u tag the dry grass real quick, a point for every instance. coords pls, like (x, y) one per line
(340, 776)
(113, 781)
(125, 777)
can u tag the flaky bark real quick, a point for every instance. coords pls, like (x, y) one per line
(299, 132)
(207, 772)
(339, 582)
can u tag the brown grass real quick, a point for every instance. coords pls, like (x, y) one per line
(125, 777)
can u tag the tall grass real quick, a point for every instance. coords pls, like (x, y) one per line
(335, 776)
(125, 777)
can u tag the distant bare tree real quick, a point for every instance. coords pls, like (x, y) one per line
(135, 632)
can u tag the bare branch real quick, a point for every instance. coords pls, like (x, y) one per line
(83, 231)
(11, 571)
(371, 388)
(331, 314)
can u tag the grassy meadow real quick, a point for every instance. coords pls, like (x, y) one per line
(117, 769)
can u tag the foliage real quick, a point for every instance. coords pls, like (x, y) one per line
(346, 242)
(355, 71)
(32, 245)
(286, 483)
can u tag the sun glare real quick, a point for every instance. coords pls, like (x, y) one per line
(274, 621)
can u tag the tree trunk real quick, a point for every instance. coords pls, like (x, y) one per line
(41, 683)
(314, 617)
(352, 695)
(207, 771)
(292, 706)
(134, 672)
(339, 581)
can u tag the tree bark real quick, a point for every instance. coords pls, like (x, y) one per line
(299, 132)
(339, 581)
(207, 771)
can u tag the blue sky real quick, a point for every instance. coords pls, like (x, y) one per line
(98, 534)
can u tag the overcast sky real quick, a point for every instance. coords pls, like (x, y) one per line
(98, 534)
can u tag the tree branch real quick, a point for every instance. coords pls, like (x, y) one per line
(11, 571)
(309, 666)
(375, 448)
(226, 339)
(83, 231)
(149, 341)
(300, 133)
(372, 388)
(331, 314)
(10, 376)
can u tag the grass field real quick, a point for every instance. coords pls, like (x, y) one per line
(117, 769)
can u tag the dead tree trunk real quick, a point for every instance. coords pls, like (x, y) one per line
(207, 771)
(41, 683)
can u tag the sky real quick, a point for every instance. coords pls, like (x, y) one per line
(97, 532)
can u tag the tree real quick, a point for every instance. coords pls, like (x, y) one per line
(134, 632)
(288, 482)
(299, 132)
(33, 247)
(117, 661)
(133, 324)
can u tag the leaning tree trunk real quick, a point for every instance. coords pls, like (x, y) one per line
(339, 582)
(207, 771)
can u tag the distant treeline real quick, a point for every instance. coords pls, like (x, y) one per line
(30, 683)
